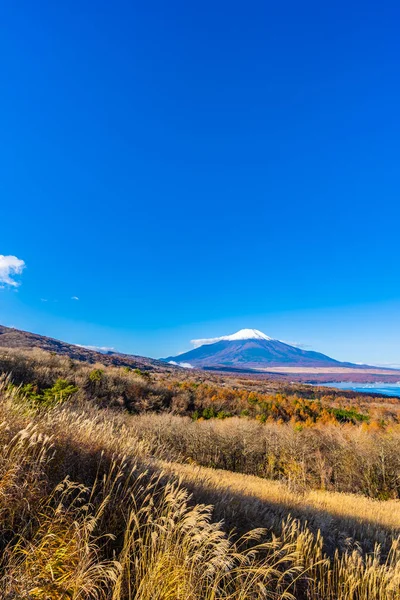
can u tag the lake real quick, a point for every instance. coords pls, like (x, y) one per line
(386, 389)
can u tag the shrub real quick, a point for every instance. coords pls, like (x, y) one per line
(96, 375)
(348, 415)
(61, 391)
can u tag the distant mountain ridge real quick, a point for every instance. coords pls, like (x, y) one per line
(247, 351)
(252, 349)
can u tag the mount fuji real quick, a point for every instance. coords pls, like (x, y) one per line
(250, 349)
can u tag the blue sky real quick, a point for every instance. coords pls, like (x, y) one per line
(189, 169)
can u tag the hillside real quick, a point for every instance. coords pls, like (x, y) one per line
(100, 504)
(16, 338)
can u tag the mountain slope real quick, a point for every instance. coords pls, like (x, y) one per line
(250, 348)
(15, 338)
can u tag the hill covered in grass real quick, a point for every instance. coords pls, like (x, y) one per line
(121, 483)
(92, 507)
(16, 338)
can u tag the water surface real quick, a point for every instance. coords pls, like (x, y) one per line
(386, 389)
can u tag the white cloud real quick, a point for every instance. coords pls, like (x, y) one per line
(74, 298)
(184, 365)
(10, 266)
(296, 344)
(102, 349)
(206, 341)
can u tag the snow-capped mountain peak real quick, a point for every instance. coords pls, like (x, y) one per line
(248, 334)
(243, 334)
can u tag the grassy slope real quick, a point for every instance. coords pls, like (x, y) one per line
(90, 508)
(56, 534)
(246, 500)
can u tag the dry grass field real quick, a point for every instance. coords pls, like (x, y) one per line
(99, 503)
(339, 517)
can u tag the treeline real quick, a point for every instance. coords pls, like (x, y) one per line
(337, 458)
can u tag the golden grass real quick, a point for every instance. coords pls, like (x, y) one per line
(360, 508)
(243, 500)
(88, 514)
(365, 510)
